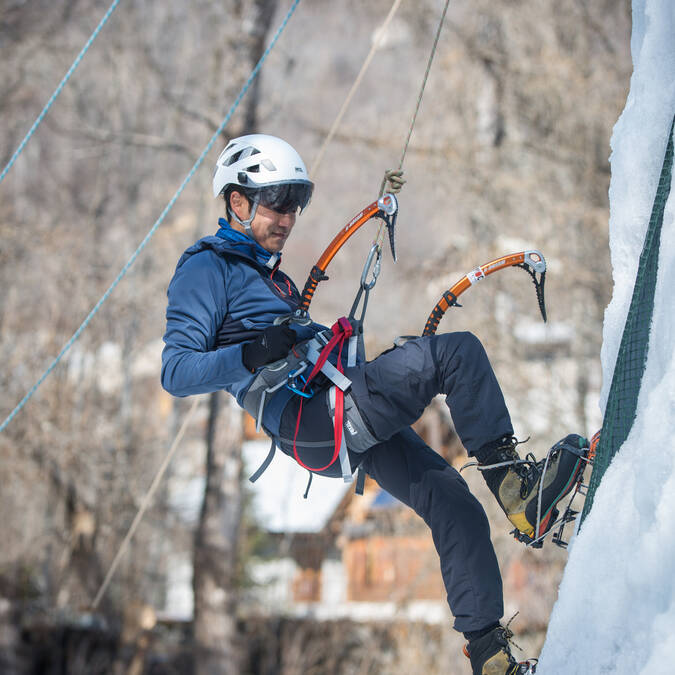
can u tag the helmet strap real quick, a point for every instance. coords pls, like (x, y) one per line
(246, 223)
(274, 257)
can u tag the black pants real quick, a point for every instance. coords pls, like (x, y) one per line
(391, 393)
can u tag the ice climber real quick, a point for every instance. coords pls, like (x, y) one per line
(223, 300)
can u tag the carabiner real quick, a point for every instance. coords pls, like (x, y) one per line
(367, 285)
(292, 385)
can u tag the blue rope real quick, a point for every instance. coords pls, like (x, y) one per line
(158, 222)
(76, 63)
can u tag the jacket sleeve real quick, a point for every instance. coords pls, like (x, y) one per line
(197, 304)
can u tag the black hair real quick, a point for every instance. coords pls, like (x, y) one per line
(247, 192)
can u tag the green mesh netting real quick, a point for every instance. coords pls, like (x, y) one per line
(630, 363)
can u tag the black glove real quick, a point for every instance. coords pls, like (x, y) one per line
(271, 345)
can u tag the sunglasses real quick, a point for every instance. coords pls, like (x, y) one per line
(286, 197)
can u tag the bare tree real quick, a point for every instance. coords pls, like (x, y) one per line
(215, 552)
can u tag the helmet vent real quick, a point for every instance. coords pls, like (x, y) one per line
(268, 164)
(232, 159)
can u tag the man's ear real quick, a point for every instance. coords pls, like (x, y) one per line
(239, 204)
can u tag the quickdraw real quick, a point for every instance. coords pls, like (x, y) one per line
(531, 261)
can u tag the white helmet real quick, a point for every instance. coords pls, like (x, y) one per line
(256, 161)
(268, 171)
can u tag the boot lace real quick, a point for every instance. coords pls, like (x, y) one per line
(522, 666)
(528, 469)
(507, 633)
(506, 639)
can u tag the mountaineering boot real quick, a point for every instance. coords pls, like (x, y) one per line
(528, 490)
(491, 655)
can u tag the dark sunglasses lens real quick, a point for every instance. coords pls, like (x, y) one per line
(287, 197)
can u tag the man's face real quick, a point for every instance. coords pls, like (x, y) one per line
(270, 229)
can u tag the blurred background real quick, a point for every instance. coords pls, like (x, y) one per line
(510, 151)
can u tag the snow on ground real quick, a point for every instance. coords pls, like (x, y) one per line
(616, 608)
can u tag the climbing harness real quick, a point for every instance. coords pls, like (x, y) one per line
(532, 262)
(342, 331)
(315, 351)
(297, 372)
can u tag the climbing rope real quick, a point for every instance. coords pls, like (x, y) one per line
(424, 83)
(376, 44)
(65, 79)
(394, 177)
(158, 222)
(385, 210)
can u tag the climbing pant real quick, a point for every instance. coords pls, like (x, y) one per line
(412, 472)
(393, 390)
(391, 393)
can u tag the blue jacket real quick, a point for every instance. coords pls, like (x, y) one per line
(226, 289)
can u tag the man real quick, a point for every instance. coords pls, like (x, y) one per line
(224, 298)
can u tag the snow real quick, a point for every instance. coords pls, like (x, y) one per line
(278, 504)
(616, 607)
(537, 332)
(276, 498)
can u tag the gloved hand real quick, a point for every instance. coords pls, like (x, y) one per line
(271, 345)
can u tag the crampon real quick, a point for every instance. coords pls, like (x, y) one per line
(556, 522)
